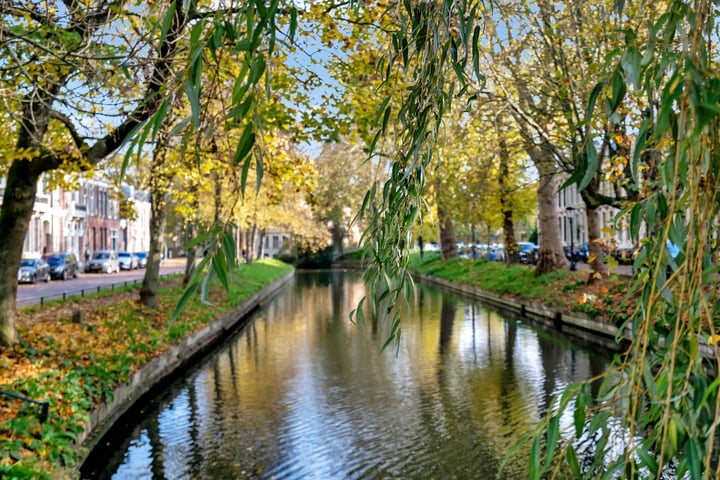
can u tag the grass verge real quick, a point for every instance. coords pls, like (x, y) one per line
(611, 298)
(76, 366)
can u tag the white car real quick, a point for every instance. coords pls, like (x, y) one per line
(127, 261)
(103, 261)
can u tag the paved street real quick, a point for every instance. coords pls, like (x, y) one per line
(88, 282)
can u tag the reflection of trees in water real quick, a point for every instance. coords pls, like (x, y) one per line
(157, 467)
(448, 311)
(195, 418)
(509, 382)
(551, 355)
(461, 394)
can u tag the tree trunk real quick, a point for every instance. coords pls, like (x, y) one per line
(338, 234)
(159, 183)
(551, 256)
(15, 216)
(511, 249)
(250, 240)
(595, 248)
(261, 245)
(217, 214)
(506, 203)
(148, 291)
(448, 243)
(190, 233)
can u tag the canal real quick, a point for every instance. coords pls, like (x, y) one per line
(303, 393)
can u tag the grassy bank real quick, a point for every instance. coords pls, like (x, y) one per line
(76, 366)
(610, 298)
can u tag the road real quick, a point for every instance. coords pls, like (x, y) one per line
(88, 282)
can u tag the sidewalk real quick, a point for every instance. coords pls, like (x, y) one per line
(626, 270)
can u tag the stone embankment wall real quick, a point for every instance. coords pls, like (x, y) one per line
(596, 331)
(164, 367)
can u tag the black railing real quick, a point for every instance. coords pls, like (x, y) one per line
(81, 292)
(44, 405)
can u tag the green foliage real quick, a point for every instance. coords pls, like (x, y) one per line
(662, 396)
(80, 367)
(435, 41)
(515, 280)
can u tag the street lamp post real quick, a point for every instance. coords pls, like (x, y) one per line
(573, 265)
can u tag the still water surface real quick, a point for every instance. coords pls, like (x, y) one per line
(303, 393)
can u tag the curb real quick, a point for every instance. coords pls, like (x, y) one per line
(592, 330)
(582, 327)
(165, 366)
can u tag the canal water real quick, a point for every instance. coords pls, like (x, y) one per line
(303, 393)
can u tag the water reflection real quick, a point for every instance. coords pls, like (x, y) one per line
(304, 393)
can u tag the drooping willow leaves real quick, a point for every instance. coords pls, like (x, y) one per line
(436, 48)
(659, 404)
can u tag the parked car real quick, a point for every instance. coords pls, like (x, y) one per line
(624, 256)
(497, 253)
(127, 261)
(33, 269)
(63, 266)
(528, 252)
(581, 254)
(141, 259)
(103, 261)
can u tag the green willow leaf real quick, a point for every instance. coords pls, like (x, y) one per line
(220, 267)
(631, 64)
(592, 101)
(193, 95)
(618, 92)
(187, 294)
(293, 23)
(167, 21)
(245, 144)
(694, 459)
(591, 156)
(534, 460)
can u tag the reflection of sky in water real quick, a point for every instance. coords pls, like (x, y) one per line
(304, 393)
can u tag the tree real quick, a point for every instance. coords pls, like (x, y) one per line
(661, 397)
(346, 179)
(63, 60)
(545, 61)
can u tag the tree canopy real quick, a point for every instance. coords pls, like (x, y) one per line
(625, 94)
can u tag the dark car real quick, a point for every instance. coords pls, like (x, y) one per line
(581, 254)
(63, 266)
(624, 256)
(527, 252)
(33, 269)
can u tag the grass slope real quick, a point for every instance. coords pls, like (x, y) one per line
(76, 366)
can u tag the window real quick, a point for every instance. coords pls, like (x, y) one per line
(276, 241)
(36, 234)
(91, 201)
(113, 239)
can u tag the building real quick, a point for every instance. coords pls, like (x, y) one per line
(135, 232)
(572, 220)
(83, 220)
